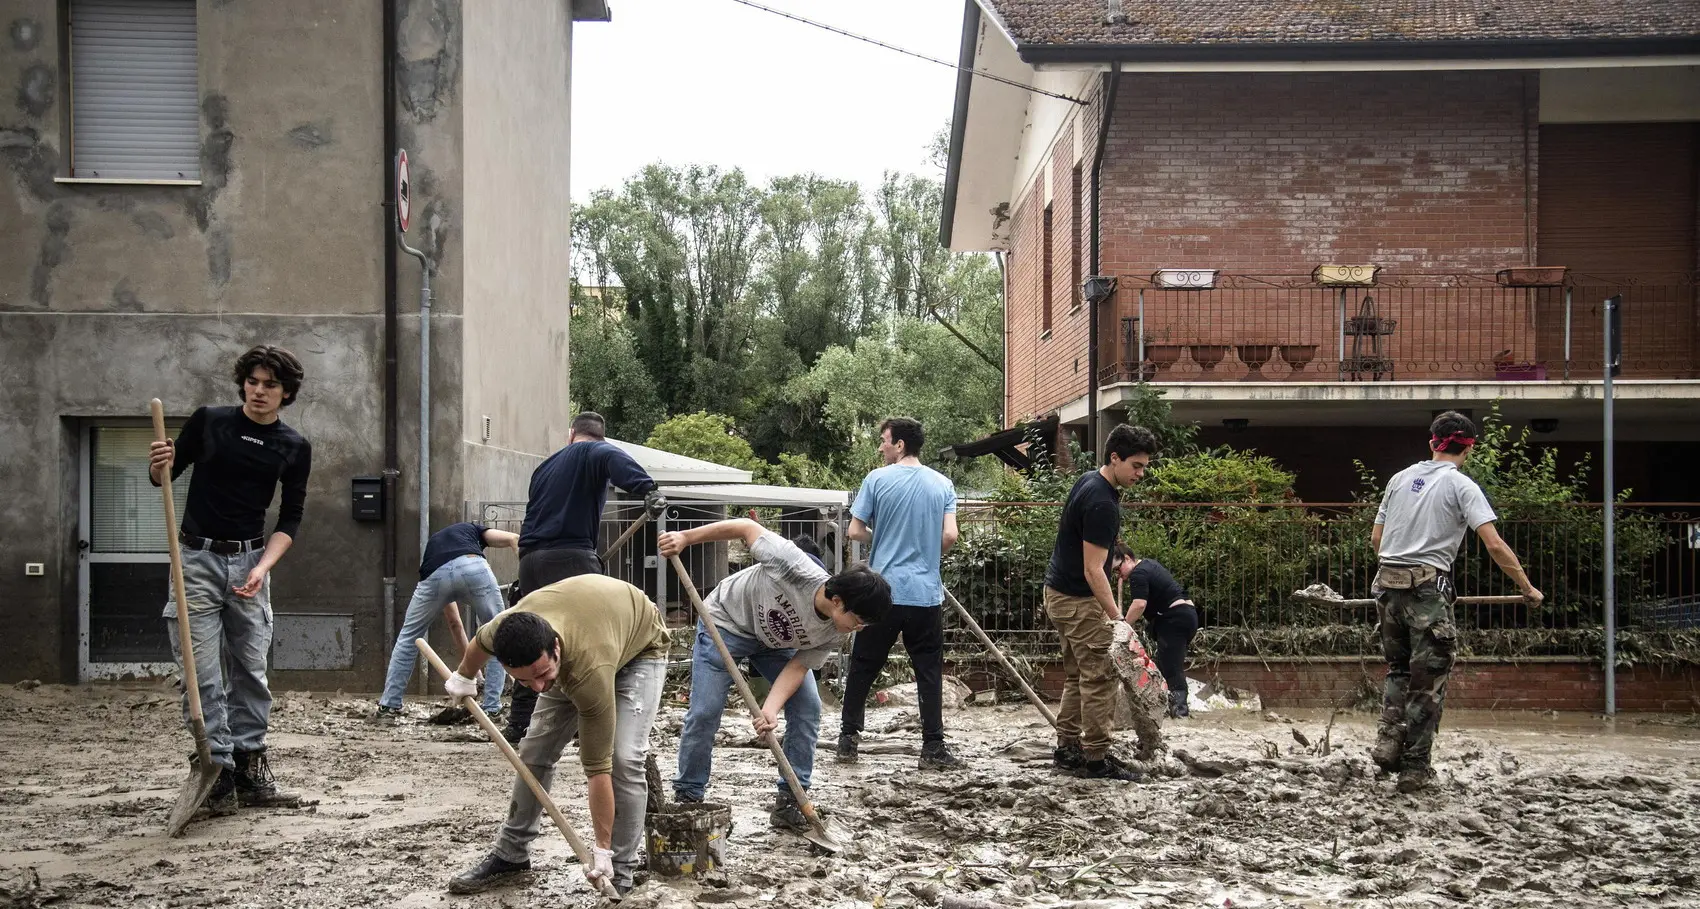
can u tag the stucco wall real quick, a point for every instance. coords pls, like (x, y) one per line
(518, 230)
(110, 295)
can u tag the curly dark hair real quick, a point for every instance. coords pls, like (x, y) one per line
(282, 364)
(522, 638)
(864, 592)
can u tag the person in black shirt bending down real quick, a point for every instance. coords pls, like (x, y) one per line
(563, 517)
(1170, 616)
(240, 455)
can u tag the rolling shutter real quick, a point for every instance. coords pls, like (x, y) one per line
(134, 92)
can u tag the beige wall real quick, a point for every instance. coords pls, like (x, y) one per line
(1620, 95)
(518, 229)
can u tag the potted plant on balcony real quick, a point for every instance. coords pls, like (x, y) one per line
(1254, 356)
(1532, 276)
(1298, 356)
(1208, 355)
(1164, 356)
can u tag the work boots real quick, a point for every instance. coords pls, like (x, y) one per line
(254, 783)
(935, 756)
(494, 871)
(788, 815)
(1415, 779)
(1111, 769)
(848, 748)
(1177, 705)
(1389, 746)
(221, 801)
(1068, 758)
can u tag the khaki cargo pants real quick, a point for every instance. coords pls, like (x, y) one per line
(1089, 677)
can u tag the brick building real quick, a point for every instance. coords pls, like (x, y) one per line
(1326, 221)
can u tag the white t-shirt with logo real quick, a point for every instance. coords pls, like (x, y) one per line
(1425, 511)
(773, 601)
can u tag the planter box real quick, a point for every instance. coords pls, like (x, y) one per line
(1522, 372)
(1345, 275)
(1532, 276)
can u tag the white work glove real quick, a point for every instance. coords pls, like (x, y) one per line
(460, 686)
(601, 867)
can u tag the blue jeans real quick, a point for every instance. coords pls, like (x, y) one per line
(710, 683)
(467, 579)
(230, 638)
(637, 692)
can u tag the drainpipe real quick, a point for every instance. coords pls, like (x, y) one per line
(392, 468)
(1112, 81)
(426, 266)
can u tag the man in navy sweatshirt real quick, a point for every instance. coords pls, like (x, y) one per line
(563, 515)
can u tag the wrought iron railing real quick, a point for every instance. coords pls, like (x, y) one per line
(1518, 325)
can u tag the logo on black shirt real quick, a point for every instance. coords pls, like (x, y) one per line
(254, 440)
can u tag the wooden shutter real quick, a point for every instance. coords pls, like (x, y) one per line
(134, 91)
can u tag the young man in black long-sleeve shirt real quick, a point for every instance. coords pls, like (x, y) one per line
(240, 455)
(563, 516)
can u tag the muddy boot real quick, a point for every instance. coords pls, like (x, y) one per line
(221, 801)
(1389, 745)
(847, 749)
(935, 756)
(493, 872)
(1415, 779)
(254, 783)
(1111, 769)
(388, 715)
(1068, 758)
(787, 814)
(1177, 705)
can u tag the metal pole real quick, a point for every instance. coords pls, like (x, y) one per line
(1140, 363)
(1567, 332)
(1610, 543)
(1342, 326)
(424, 409)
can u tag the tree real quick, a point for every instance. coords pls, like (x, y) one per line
(607, 375)
(706, 436)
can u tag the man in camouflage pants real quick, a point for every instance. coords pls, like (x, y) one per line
(1418, 529)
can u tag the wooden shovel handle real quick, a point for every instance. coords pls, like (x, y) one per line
(186, 638)
(1032, 696)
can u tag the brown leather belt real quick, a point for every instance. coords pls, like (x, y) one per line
(221, 547)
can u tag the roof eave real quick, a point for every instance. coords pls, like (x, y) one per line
(959, 117)
(1037, 54)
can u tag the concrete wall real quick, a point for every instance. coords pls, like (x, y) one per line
(110, 295)
(518, 233)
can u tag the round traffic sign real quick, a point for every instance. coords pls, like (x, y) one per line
(403, 181)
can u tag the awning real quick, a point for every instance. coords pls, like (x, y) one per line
(757, 494)
(667, 468)
(1002, 444)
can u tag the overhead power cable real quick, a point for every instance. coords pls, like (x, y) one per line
(916, 54)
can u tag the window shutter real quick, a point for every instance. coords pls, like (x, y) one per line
(124, 506)
(134, 92)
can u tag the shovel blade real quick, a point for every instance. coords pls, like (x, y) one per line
(191, 797)
(820, 834)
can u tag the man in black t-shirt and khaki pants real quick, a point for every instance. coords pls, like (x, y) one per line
(240, 455)
(1080, 604)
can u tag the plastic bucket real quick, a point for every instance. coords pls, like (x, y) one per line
(688, 838)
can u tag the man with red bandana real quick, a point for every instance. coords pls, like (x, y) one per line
(1418, 529)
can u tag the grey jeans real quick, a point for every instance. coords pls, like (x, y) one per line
(232, 636)
(637, 693)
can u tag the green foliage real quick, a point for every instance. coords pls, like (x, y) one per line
(707, 436)
(607, 375)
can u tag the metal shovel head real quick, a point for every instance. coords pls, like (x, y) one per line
(820, 833)
(192, 796)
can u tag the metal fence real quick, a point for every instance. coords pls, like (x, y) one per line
(1242, 563)
(1452, 327)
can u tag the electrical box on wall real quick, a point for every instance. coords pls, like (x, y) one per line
(368, 497)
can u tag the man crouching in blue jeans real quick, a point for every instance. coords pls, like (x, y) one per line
(786, 614)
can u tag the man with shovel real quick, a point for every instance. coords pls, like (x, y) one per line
(563, 514)
(241, 456)
(785, 614)
(1424, 513)
(1082, 607)
(908, 512)
(595, 650)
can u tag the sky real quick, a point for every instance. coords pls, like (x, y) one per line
(716, 82)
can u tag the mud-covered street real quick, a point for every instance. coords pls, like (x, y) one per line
(1245, 809)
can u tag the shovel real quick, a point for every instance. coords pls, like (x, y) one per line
(623, 537)
(200, 782)
(471, 705)
(817, 832)
(1033, 696)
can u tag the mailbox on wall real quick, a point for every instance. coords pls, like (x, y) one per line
(368, 498)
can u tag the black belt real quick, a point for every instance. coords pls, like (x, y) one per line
(221, 547)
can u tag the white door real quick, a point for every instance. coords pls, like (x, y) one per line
(124, 572)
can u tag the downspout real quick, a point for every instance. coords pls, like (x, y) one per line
(1003, 301)
(392, 462)
(1112, 81)
(426, 266)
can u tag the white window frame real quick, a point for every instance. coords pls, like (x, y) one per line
(131, 104)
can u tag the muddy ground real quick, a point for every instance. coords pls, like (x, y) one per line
(1533, 810)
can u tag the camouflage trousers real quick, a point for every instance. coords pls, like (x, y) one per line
(1418, 638)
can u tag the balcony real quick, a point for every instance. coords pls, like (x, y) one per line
(1518, 325)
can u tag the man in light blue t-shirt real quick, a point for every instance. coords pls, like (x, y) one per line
(908, 512)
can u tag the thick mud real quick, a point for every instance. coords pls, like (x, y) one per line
(1242, 809)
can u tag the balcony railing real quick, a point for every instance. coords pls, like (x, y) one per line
(1425, 327)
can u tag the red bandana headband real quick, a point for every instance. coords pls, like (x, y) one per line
(1437, 443)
